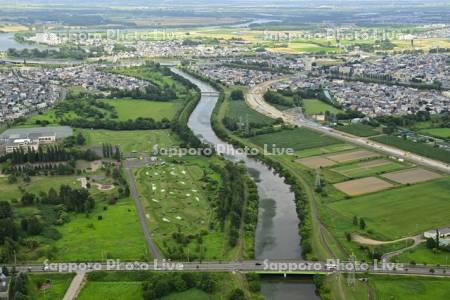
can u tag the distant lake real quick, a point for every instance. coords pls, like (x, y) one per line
(7, 41)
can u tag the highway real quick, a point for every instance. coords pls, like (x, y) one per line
(255, 100)
(252, 266)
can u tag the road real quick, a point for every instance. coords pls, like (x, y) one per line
(141, 214)
(255, 100)
(252, 266)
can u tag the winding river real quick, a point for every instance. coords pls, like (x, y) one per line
(277, 230)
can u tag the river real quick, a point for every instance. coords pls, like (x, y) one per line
(277, 229)
(7, 41)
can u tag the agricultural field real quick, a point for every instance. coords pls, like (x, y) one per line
(302, 47)
(369, 168)
(131, 141)
(384, 212)
(418, 148)
(324, 150)
(48, 286)
(412, 176)
(317, 107)
(130, 109)
(297, 139)
(359, 130)
(442, 133)
(178, 199)
(363, 186)
(239, 111)
(350, 156)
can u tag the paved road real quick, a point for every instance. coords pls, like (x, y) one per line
(259, 266)
(141, 214)
(255, 100)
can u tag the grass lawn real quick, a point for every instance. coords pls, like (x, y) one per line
(117, 235)
(176, 200)
(130, 109)
(421, 255)
(365, 169)
(410, 288)
(297, 139)
(38, 184)
(192, 294)
(418, 148)
(443, 133)
(239, 109)
(359, 130)
(111, 291)
(400, 212)
(130, 141)
(57, 285)
(324, 150)
(317, 107)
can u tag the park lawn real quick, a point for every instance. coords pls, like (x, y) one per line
(121, 290)
(130, 109)
(49, 116)
(410, 288)
(317, 107)
(443, 133)
(418, 148)
(297, 139)
(422, 255)
(175, 199)
(38, 184)
(118, 235)
(58, 284)
(133, 140)
(359, 130)
(399, 212)
(359, 169)
(239, 111)
(192, 294)
(324, 150)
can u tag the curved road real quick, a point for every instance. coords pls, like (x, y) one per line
(255, 100)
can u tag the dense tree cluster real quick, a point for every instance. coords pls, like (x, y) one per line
(109, 152)
(137, 124)
(162, 285)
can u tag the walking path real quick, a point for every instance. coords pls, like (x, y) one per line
(75, 286)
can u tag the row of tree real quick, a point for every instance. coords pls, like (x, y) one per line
(48, 154)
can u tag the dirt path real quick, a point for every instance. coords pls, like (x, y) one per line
(370, 242)
(75, 286)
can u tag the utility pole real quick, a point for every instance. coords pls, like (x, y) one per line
(351, 279)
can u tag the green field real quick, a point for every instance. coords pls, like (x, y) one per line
(37, 184)
(410, 288)
(129, 286)
(239, 111)
(133, 140)
(422, 255)
(56, 288)
(399, 212)
(317, 107)
(443, 133)
(130, 109)
(359, 130)
(324, 150)
(117, 235)
(418, 148)
(176, 200)
(363, 169)
(111, 291)
(297, 139)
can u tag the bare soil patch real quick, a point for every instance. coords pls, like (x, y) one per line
(363, 186)
(412, 176)
(351, 156)
(315, 162)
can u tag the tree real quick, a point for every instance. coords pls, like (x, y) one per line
(430, 243)
(355, 220)
(237, 94)
(5, 210)
(12, 179)
(80, 139)
(28, 199)
(362, 224)
(237, 294)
